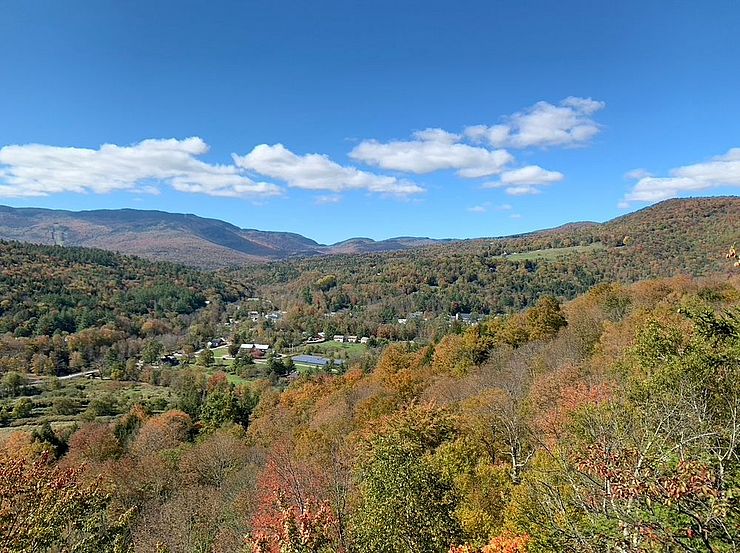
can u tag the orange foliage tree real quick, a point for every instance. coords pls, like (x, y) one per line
(499, 544)
(46, 508)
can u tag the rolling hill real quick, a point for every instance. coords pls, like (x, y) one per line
(211, 243)
(184, 238)
(675, 237)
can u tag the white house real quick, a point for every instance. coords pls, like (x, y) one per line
(260, 347)
(466, 318)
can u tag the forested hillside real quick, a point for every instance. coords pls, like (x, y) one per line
(606, 424)
(177, 237)
(585, 405)
(671, 229)
(62, 309)
(509, 274)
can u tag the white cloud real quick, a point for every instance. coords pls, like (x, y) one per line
(515, 216)
(437, 135)
(487, 206)
(637, 174)
(567, 124)
(721, 171)
(531, 174)
(40, 170)
(328, 199)
(522, 190)
(318, 172)
(481, 208)
(432, 150)
(524, 180)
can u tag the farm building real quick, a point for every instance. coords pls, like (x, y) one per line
(315, 360)
(466, 318)
(263, 347)
(255, 350)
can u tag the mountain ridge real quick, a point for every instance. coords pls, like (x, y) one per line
(180, 237)
(213, 243)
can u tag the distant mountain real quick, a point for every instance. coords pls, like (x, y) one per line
(189, 239)
(212, 243)
(367, 245)
(498, 275)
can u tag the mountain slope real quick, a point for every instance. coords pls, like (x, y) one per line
(153, 234)
(159, 235)
(676, 237)
(211, 243)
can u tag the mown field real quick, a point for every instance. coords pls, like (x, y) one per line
(63, 404)
(554, 253)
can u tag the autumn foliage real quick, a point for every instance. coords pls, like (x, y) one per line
(296, 530)
(44, 508)
(499, 544)
(607, 422)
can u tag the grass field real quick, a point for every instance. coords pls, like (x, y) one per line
(336, 347)
(554, 253)
(303, 369)
(233, 379)
(220, 352)
(81, 399)
(307, 370)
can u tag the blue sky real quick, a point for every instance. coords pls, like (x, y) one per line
(338, 119)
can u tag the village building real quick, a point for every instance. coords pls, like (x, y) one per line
(257, 351)
(274, 316)
(316, 360)
(466, 318)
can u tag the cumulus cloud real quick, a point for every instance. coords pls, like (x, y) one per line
(479, 151)
(432, 150)
(318, 172)
(488, 206)
(524, 180)
(637, 174)
(568, 124)
(328, 199)
(720, 171)
(531, 174)
(40, 170)
(522, 190)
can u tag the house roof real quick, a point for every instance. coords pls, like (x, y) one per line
(315, 360)
(255, 346)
